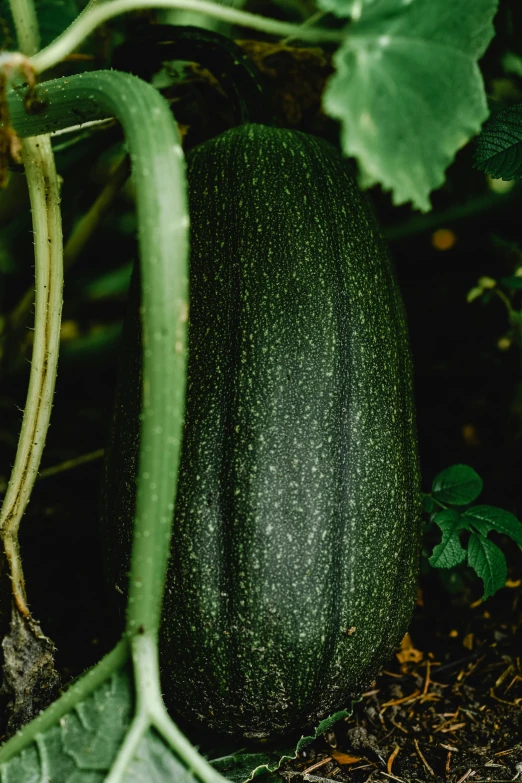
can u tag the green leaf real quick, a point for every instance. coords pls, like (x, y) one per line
(449, 552)
(514, 282)
(408, 90)
(457, 485)
(488, 562)
(486, 518)
(244, 767)
(84, 744)
(239, 767)
(499, 146)
(154, 762)
(79, 738)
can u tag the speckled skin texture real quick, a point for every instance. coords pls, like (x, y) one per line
(296, 536)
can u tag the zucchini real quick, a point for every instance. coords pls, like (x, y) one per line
(296, 538)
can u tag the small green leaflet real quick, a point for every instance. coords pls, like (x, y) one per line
(450, 551)
(408, 90)
(457, 485)
(460, 485)
(487, 518)
(488, 562)
(499, 146)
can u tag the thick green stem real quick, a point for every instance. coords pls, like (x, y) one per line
(158, 170)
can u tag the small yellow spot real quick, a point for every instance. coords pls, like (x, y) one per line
(69, 330)
(470, 435)
(467, 642)
(443, 239)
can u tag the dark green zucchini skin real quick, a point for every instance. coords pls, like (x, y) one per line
(294, 556)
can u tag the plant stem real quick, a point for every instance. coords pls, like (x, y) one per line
(44, 196)
(438, 502)
(158, 171)
(310, 22)
(134, 736)
(150, 703)
(69, 464)
(26, 25)
(67, 42)
(64, 466)
(158, 164)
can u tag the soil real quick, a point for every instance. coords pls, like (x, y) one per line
(447, 708)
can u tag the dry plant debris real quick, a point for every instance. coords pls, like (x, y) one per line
(447, 709)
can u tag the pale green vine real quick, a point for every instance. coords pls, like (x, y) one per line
(44, 195)
(26, 25)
